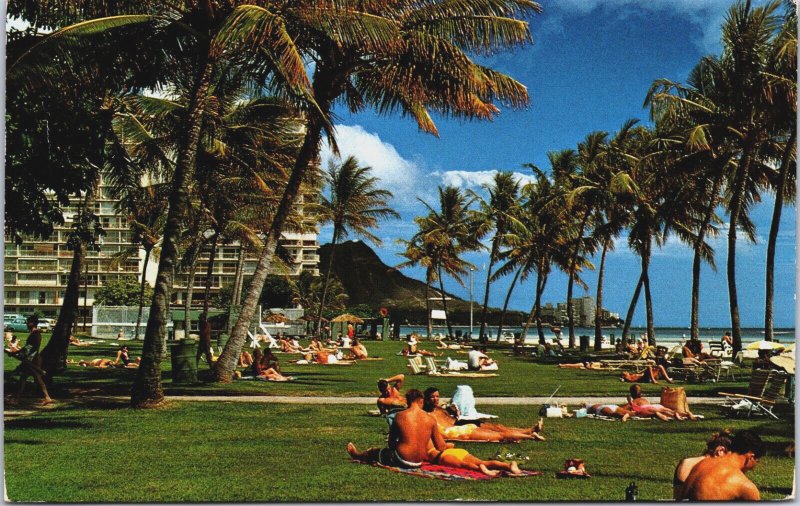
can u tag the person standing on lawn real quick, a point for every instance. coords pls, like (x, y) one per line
(204, 348)
(723, 478)
(31, 361)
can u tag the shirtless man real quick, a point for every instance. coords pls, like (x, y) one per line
(357, 350)
(722, 478)
(410, 436)
(391, 398)
(484, 431)
(718, 445)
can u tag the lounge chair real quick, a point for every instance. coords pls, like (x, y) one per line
(416, 365)
(273, 343)
(766, 386)
(634, 365)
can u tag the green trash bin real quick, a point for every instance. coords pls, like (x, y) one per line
(222, 340)
(184, 361)
(584, 343)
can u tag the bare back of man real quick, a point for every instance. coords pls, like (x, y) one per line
(719, 479)
(414, 430)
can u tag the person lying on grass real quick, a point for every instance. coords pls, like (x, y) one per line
(643, 408)
(412, 348)
(718, 445)
(611, 410)
(651, 374)
(477, 430)
(74, 341)
(585, 364)
(390, 398)
(414, 439)
(125, 360)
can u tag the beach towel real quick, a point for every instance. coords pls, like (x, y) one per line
(464, 400)
(613, 419)
(438, 472)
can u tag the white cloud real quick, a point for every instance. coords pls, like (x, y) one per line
(474, 179)
(403, 177)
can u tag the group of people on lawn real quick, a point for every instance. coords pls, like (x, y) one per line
(420, 428)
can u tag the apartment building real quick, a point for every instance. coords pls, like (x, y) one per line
(35, 272)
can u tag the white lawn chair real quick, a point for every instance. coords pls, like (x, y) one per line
(272, 342)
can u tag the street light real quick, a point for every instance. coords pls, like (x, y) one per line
(471, 270)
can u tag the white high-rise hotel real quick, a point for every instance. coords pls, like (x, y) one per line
(36, 271)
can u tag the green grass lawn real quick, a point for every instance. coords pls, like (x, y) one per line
(228, 452)
(518, 376)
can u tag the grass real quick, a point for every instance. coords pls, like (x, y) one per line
(230, 452)
(518, 376)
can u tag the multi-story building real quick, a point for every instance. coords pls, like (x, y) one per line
(35, 273)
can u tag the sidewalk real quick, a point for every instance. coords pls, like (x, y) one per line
(488, 401)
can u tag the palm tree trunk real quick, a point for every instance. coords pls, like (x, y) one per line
(698, 243)
(648, 300)
(537, 315)
(484, 339)
(773, 237)
(444, 304)
(428, 276)
(598, 330)
(327, 279)
(210, 272)
(187, 304)
(306, 157)
(147, 390)
(141, 293)
(573, 264)
(505, 304)
(54, 354)
(735, 209)
(626, 329)
(236, 296)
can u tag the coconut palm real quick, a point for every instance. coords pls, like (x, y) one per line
(496, 214)
(410, 59)
(354, 204)
(419, 254)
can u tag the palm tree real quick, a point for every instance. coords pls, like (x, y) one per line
(409, 59)
(355, 204)
(418, 253)
(447, 233)
(495, 214)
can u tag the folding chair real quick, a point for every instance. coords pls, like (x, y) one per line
(416, 365)
(765, 389)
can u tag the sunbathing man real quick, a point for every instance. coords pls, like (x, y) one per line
(410, 436)
(586, 364)
(478, 431)
(357, 350)
(718, 445)
(722, 478)
(611, 410)
(690, 357)
(650, 374)
(245, 359)
(643, 408)
(100, 363)
(74, 341)
(478, 360)
(287, 347)
(391, 399)
(412, 349)
(122, 355)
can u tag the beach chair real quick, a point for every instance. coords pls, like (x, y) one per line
(272, 342)
(765, 389)
(715, 349)
(416, 365)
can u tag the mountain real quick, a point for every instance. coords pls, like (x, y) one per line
(367, 280)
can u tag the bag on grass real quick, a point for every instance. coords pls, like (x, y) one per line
(674, 398)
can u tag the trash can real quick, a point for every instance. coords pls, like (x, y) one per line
(584, 343)
(222, 340)
(184, 365)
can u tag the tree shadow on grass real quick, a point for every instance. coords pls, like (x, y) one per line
(27, 423)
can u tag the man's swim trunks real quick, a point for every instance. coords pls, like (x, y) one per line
(389, 457)
(459, 431)
(458, 453)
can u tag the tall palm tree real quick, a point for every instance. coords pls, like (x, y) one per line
(447, 233)
(409, 59)
(354, 204)
(495, 214)
(420, 254)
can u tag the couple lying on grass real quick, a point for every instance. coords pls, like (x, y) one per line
(460, 421)
(639, 406)
(415, 439)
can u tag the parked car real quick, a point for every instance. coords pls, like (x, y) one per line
(17, 323)
(47, 324)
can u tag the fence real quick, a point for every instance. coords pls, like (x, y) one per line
(110, 321)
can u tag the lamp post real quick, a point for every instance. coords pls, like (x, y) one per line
(471, 270)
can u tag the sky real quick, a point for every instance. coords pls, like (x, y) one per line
(588, 69)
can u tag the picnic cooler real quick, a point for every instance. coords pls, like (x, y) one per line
(674, 398)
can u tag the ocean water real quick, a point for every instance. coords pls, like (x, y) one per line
(664, 335)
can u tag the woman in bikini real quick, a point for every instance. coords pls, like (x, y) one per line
(611, 410)
(642, 407)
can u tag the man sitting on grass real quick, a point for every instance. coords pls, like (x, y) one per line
(718, 445)
(391, 398)
(478, 360)
(723, 478)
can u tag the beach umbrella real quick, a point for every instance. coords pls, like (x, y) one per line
(765, 345)
(785, 361)
(347, 318)
(276, 318)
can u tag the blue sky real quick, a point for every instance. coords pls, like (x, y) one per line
(589, 69)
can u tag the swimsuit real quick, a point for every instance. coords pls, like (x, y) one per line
(647, 408)
(458, 431)
(389, 457)
(612, 407)
(458, 453)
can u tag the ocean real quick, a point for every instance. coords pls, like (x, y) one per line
(664, 335)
